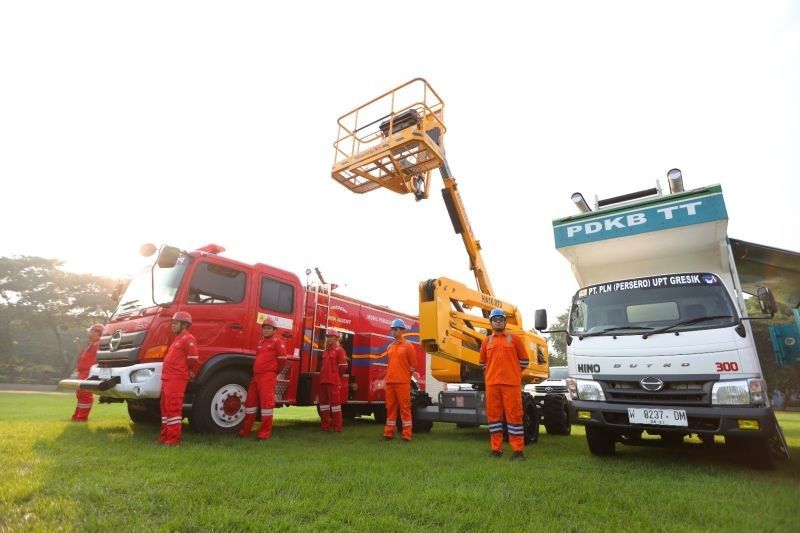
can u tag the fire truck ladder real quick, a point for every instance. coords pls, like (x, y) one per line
(322, 293)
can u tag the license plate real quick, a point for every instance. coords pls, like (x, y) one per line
(658, 417)
(104, 373)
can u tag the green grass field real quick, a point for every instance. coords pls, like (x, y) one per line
(110, 475)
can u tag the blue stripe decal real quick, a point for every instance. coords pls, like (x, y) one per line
(668, 215)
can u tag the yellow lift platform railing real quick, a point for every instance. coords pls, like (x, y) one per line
(393, 141)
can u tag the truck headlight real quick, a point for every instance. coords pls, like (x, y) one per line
(141, 375)
(572, 388)
(584, 389)
(730, 393)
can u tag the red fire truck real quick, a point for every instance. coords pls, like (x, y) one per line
(228, 300)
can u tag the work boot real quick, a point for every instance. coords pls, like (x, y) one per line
(496, 455)
(384, 438)
(518, 456)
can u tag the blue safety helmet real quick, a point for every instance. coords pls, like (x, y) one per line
(497, 312)
(398, 323)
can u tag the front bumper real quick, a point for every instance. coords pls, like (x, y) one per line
(701, 419)
(119, 384)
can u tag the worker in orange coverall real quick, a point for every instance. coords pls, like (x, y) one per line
(86, 360)
(179, 365)
(261, 393)
(503, 358)
(402, 362)
(334, 365)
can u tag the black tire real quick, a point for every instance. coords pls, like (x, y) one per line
(144, 412)
(219, 405)
(379, 412)
(556, 415)
(755, 452)
(420, 400)
(530, 419)
(351, 412)
(600, 441)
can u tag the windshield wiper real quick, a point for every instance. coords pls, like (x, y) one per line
(609, 330)
(686, 323)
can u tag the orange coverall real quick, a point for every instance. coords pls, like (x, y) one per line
(181, 356)
(334, 365)
(85, 398)
(503, 358)
(261, 391)
(402, 358)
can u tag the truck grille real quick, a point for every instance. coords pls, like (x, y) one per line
(551, 389)
(126, 351)
(676, 391)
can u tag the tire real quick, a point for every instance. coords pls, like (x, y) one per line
(219, 405)
(600, 441)
(379, 412)
(144, 412)
(420, 400)
(351, 412)
(530, 419)
(556, 415)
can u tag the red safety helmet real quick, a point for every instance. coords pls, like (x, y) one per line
(97, 327)
(269, 322)
(333, 333)
(182, 316)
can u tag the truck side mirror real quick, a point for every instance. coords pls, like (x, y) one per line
(168, 257)
(540, 320)
(766, 301)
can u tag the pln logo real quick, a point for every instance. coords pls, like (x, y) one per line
(709, 279)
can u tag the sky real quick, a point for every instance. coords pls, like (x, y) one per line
(191, 123)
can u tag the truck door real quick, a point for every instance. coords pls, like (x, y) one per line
(216, 299)
(276, 300)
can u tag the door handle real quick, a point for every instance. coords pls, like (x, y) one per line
(236, 325)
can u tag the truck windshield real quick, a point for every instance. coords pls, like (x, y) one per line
(677, 302)
(139, 293)
(558, 372)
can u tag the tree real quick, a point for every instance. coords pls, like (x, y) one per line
(558, 341)
(36, 295)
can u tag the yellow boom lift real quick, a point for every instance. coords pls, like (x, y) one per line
(396, 141)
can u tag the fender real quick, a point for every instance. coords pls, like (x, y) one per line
(217, 363)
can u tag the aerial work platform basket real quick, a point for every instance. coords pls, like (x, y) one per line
(393, 141)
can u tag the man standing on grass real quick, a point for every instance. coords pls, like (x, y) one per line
(503, 358)
(334, 365)
(402, 360)
(178, 367)
(261, 392)
(86, 360)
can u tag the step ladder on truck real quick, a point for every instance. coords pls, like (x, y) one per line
(396, 141)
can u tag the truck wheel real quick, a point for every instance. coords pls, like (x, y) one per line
(420, 400)
(144, 412)
(600, 441)
(556, 415)
(351, 412)
(219, 405)
(530, 419)
(379, 412)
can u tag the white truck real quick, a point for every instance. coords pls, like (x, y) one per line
(659, 340)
